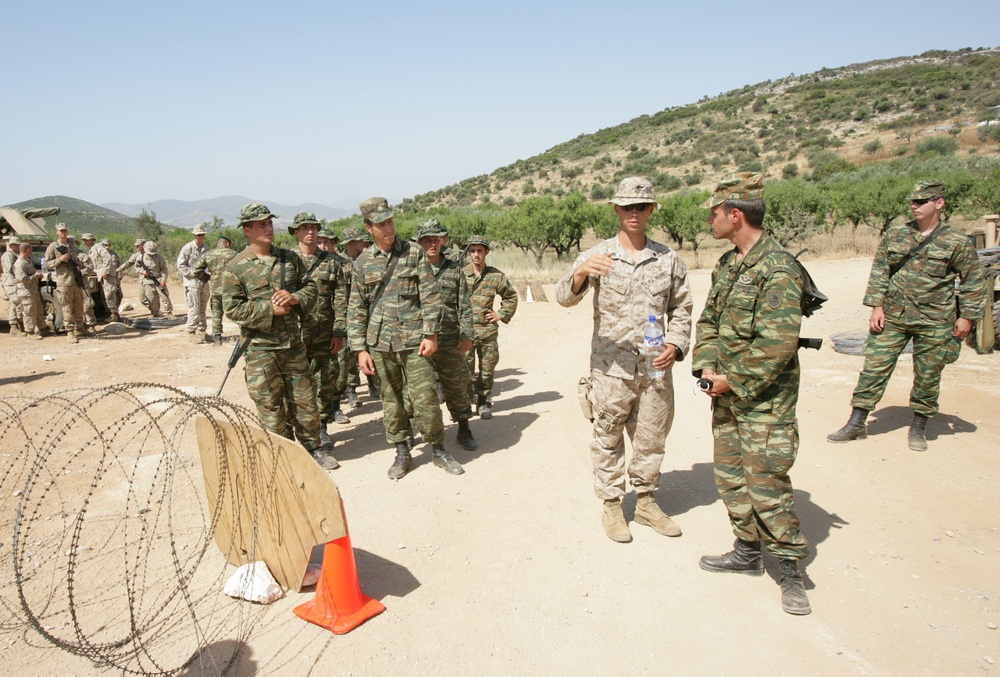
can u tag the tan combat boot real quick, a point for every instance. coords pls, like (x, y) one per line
(614, 522)
(648, 512)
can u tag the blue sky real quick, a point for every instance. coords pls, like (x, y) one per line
(327, 101)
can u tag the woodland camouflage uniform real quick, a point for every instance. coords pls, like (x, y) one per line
(277, 372)
(483, 289)
(920, 304)
(347, 363)
(212, 264)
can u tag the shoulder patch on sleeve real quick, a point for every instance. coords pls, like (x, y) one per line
(774, 297)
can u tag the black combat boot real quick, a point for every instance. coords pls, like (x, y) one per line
(483, 407)
(352, 397)
(793, 592)
(854, 429)
(745, 558)
(443, 459)
(340, 417)
(918, 433)
(372, 390)
(465, 438)
(401, 465)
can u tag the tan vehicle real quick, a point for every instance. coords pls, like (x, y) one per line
(29, 226)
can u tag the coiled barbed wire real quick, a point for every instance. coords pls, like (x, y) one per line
(106, 536)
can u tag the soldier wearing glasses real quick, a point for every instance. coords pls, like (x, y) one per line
(911, 291)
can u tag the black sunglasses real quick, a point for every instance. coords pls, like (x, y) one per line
(922, 201)
(639, 207)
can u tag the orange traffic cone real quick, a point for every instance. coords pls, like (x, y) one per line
(339, 605)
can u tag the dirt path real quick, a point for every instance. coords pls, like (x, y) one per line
(506, 570)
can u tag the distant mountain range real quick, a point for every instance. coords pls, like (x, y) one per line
(189, 213)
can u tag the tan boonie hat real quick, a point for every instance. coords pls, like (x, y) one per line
(198, 230)
(354, 235)
(61, 226)
(255, 211)
(927, 190)
(738, 186)
(149, 247)
(376, 210)
(87, 236)
(432, 228)
(106, 242)
(478, 239)
(634, 190)
(138, 243)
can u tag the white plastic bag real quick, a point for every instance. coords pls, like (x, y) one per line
(253, 582)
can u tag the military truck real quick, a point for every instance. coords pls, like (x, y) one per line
(29, 226)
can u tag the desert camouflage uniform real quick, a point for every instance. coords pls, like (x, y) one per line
(68, 291)
(277, 372)
(625, 397)
(482, 290)
(456, 323)
(212, 264)
(150, 289)
(89, 287)
(919, 303)
(410, 309)
(26, 290)
(7, 262)
(196, 292)
(749, 332)
(327, 319)
(106, 262)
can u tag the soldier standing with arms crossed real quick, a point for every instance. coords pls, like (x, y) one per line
(393, 321)
(455, 337)
(633, 278)
(210, 268)
(911, 291)
(485, 284)
(61, 258)
(747, 347)
(196, 292)
(266, 290)
(26, 279)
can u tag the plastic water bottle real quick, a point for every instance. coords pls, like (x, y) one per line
(653, 338)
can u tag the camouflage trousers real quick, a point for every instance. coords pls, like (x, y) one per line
(452, 371)
(151, 298)
(89, 309)
(217, 313)
(32, 309)
(13, 305)
(488, 352)
(112, 294)
(71, 299)
(933, 348)
(324, 369)
(347, 372)
(196, 299)
(280, 385)
(752, 461)
(644, 408)
(407, 373)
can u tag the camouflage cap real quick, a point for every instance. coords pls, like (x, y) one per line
(738, 186)
(478, 239)
(354, 235)
(301, 219)
(106, 242)
(138, 243)
(326, 233)
(432, 228)
(149, 247)
(198, 230)
(634, 190)
(13, 240)
(927, 190)
(87, 236)
(376, 210)
(61, 226)
(255, 211)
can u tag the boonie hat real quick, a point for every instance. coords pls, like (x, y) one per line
(13, 240)
(138, 243)
(301, 219)
(376, 210)
(255, 211)
(634, 190)
(927, 190)
(738, 186)
(478, 239)
(326, 232)
(198, 230)
(149, 247)
(432, 228)
(87, 236)
(106, 242)
(354, 235)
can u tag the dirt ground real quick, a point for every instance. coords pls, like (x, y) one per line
(506, 569)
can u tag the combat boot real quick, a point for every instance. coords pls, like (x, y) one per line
(918, 433)
(352, 397)
(443, 459)
(324, 437)
(372, 390)
(793, 592)
(115, 317)
(647, 512)
(613, 520)
(34, 337)
(854, 429)
(401, 465)
(465, 438)
(326, 461)
(340, 417)
(744, 558)
(483, 407)
(15, 330)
